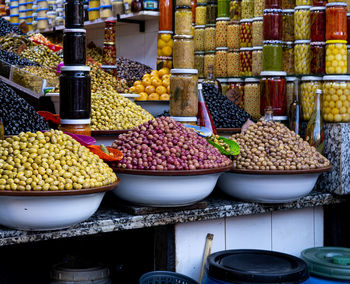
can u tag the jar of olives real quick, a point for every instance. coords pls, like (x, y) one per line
(302, 56)
(288, 25)
(233, 35)
(209, 37)
(199, 38)
(212, 11)
(247, 9)
(224, 85)
(308, 87)
(257, 31)
(302, 23)
(235, 10)
(252, 97)
(183, 20)
(257, 57)
(221, 32)
(318, 53)
(259, 7)
(233, 63)
(288, 57)
(199, 63)
(246, 54)
(246, 33)
(183, 52)
(221, 62)
(201, 14)
(209, 63)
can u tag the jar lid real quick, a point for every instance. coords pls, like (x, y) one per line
(106, 6)
(14, 15)
(164, 58)
(234, 22)
(335, 41)
(251, 80)
(302, 41)
(272, 11)
(51, 13)
(210, 26)
(246, 20)
(42, 19)
(14, 7)
(288, 11)
(184, 118)
(74, 31)
(311, 78)
(42, 9)
(28, 17)
(201, 4)
(273, 73)
(257, 19)
(223, 19)
(22, 4)
(288, 42)
(348, 14)
(29, 10)
(199, 27)
(75, 121)
(29, 24)
(302, 7)
(75, 68)
(199, 53)
(93, 9)
(183, 7)
(272, 42)
(41, 1)
(336, 4)
(222, 80)
(30, 3)
(22, 18)
(183, 37)
(318, 8)
(165, 32)
(336, 78)
(257, 47)
(246, 49)
(318, 43)
(235, 80)
(222, 48)
(184, 71)
(108, 67)
(291, 79)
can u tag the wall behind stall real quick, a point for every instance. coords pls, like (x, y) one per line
(132, 44)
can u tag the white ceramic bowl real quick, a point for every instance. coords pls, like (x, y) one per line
(269, 186)
(41, 211)
(131, 97)
(166, 188)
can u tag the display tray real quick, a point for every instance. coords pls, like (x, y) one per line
(61, 192)
(171, 172)
(108, 132)
(281, 172)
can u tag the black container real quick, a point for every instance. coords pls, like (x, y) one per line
(75, 92)
(74, 12)
(74, 47)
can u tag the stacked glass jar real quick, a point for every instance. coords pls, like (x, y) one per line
(75, 84)
(109, 52)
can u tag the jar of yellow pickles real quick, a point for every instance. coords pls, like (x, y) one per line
(209, 63)
(336, 98)
(221, 62)
(302, 23)
(165, 43)
(209, 37)
(336, 57)
(183, 20)
(221, 32)
(308, 87)
(302, 56)
(199, 38)
(201, 14)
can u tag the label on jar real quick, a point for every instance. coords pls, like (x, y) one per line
(150, 4)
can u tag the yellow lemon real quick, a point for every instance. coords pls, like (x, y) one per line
(165, 37)
(150, 89)
(164, 97)
(143, 97)
(161, 43)
(161, 90)
(137, 83)
(146, 81)
(167, 51)
(153, 97)
(139, 88)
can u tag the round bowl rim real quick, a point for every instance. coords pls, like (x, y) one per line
(95, 133)
(281, 172)
(91, 190)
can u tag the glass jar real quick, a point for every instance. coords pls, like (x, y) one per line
(318, 55)
(106, 11)
(273, 4)
(110, 30)
(117, 7)
(235, 10)
(183, 83)
(94, 14)
(246, 54)
(303, 3)
(302, 56)
(348, 47)
(259, 7)
(336, 57)
(257, 57)
(209, 38)
(209, 63)
(246, 33)
(336, 21)
(257, 31)
(199, 63)
(199, 38)
(233, 63)
(251, 99)
(183, 21)
(233, 35)
(335, 99)
(201, 14)
(302, 23)
(272, 24)
(319, 3)
(288, 57)
(223, 8)
(273, 92)
(288, 25)
(183, 2)
(212, 10)
(288, 4)
(290, 90)
(164, 61)
(165, 43)
(183, 52)
(224, 85)
(221, 62)
(237, 84)
(348, 26)
(109, 53)
(247, 9)
(272, 55)
(221, 32)
(318, 23)
(308, 87)
(166, 12)
(43, 23)
(74, 41)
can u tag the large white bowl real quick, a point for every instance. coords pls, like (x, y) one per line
(166, 188)
(41, 211)
(269, 186)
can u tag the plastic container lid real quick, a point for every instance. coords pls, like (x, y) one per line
(302, 7)
(22, 18)
(74, 31)
(199, 27)
(318, 8)
(273, 73)
(256, 266)
(272, 11)
(311, 78)
(29, 10)
(42, 19)
(183, 37)
(336, 4)
(184, 118)
(291, 79)
(288, 11)
(184, 71)
(106, 6)
(257, 47)
(246, 49)
(330, 262)
(302, 41)
(22, 4)
(14, 7)
(318, 43)
(235, 80)
(75, 68)
(165, 32)
(14, 15)
(251, 80)
(258, 19)
(336, 41)
(336, 78)
(288, 42)
(223, 19)
(42, 9)
(75, 122)
(93, 9)
(222, 48)
(199, 53)
(246, 20)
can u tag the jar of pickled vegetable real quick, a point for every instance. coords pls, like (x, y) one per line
(183, 2)
(303, 3)
(302, 56)
(221, 32)
(165, 43)
(183, 21)
(247, 9)
(272, 55)
(319, 3)
(318, 23)
(318, 55)
(223, 8)
(259, 7)
(336, 21)
(246, 33)
(272, 24)
(166, 12)
(291, 90)
(201, 14)
(273, 4)
(288, 25)
(251, 99)
(212, 10)
(183, 52)
(302, 23)
(221, 62)
(288, 4)
(348, 26)
(199, 63)
(183, 92)
(257, 31)
(233, 63)
(335, 99)
(209, 38)
(273, 92)
(308, 87)
(288, 57)
(224, 85)
(336, 57)
(109, 54)
(237, 84)
(246, 54)
(235, 10)
(164, 61)
(348, 55)
(209, 63)
(233, 35)
(257, 57)
(199, 38)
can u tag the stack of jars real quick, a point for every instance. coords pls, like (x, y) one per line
(109, 52)
(94, 10)
(22, 7)
(41, 13)
(14, 12)
(75, 83)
